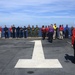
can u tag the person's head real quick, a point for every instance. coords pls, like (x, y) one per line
(67, 25)
(51, 25)
(72, 26)
(5, 25)
(32, 26)
(36, 25)
(54, 24)
(18, 27)
(60, 26)
(28, 25)
(43, 26)
(13, 25)
(24, 26)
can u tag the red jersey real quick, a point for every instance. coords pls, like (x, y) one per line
(10, 29)
(0, 29)
(43, 30)
(47, 29)
(73, 36)
(61, 28)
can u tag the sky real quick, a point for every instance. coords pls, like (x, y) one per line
(37, 12)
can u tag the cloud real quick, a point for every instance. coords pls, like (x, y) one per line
(36, 6)
(30, 10)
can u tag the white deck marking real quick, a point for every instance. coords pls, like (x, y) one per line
(38, 51)
(38, 60)
(69, 42)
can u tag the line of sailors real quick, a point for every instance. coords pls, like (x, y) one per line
(51, 31)
(19, 32)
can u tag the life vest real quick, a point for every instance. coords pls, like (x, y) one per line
(55, 27)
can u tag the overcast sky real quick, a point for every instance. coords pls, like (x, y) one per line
(40, 12)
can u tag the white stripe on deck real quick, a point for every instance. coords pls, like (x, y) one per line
(38, 53)
(38, 60)
(69, 42)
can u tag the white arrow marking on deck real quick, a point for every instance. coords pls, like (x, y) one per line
(38, 60)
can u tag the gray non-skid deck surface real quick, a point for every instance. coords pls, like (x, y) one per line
(11, 50)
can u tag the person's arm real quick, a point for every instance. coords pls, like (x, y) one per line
(72, 38)
(72, 41)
